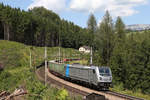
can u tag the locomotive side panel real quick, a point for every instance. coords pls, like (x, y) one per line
(93, 77)
(79, 74)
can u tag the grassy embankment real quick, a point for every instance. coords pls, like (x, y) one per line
(17, 71)
(119, 88)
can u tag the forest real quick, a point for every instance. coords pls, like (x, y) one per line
(126, 52)
(40, 27)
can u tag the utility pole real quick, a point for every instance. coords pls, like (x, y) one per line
(59, 56)
(59, 59)
(30, 59)
(45, 65)
(91, 58)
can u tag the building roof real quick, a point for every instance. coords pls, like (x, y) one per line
(86, 47)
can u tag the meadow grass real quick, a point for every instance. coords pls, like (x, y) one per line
(17, 72)
(119, 88)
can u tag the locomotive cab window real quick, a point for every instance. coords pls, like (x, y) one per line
(104, 71)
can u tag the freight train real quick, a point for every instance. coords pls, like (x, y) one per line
(99, 77)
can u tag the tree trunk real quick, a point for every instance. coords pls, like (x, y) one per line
(1, 31)
(6, 31)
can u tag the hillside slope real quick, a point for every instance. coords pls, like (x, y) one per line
(15, 58)
(17, 72)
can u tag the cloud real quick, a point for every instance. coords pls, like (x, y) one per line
(55, 5)
(116, 7)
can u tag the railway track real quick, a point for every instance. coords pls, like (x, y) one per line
(72, 87)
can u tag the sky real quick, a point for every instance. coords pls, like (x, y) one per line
(78, 11)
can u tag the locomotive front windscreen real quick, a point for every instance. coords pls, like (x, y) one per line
(104, 71)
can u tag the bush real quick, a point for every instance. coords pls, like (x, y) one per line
(62, 94)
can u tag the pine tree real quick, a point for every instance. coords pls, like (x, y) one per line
(92, 26)
(118, 58)
(104, 39)
(120, 29)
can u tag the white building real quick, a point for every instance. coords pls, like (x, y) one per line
(84, 49)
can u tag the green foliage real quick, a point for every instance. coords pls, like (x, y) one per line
(120, 28)
(104, 40)
(118, 58)
(126, 53)
(119, 88)
(130, 62)
(35, 88)
(40, 27)
(92, 27)
(9, 55)
(18, 73)
(62, 94)
(130, 65)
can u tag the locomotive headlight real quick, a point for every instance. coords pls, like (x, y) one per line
(110, 78)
